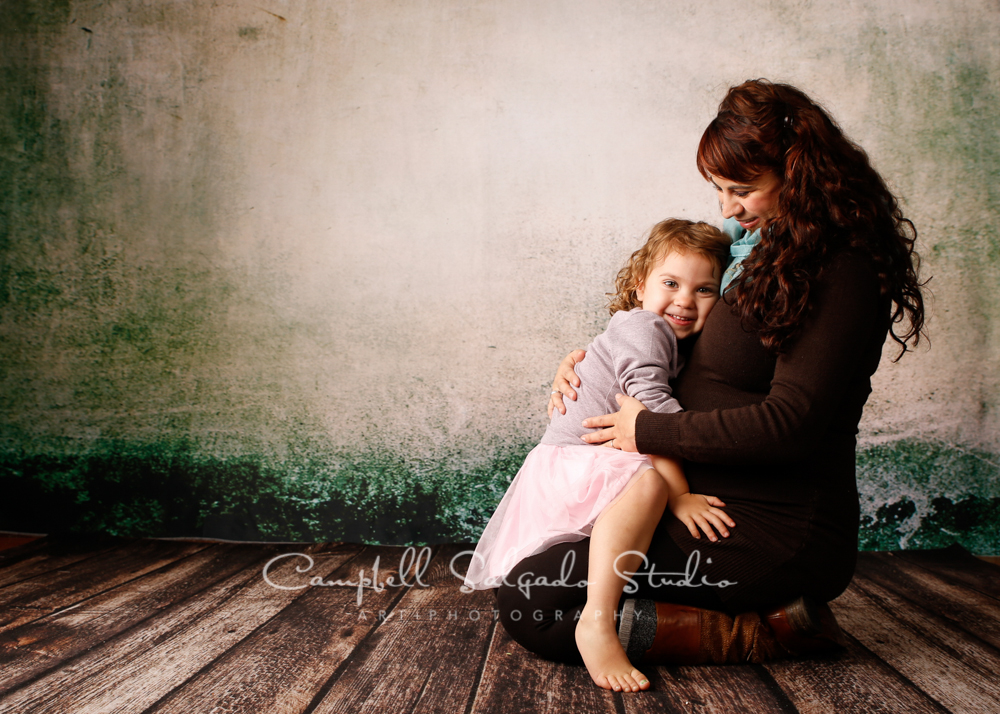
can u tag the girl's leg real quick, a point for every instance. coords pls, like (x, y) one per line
(627, 525)
(542, 618)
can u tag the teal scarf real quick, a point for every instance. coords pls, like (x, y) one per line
(743, 243)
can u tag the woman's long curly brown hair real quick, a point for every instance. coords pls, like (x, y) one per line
(830, 198)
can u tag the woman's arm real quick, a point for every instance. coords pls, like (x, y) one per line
(809, 384)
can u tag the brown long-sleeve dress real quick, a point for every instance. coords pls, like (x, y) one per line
(774, 437)
(771, 435)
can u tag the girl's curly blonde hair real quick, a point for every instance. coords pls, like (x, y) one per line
(673, 234)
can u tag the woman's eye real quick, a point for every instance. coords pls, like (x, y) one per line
(741, 194)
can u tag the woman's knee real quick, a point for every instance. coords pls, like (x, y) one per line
(517, 618)
(546, 631)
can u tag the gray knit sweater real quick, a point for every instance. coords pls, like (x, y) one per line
(637, 356)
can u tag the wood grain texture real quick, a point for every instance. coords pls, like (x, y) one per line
(133, 671)
(976, 613)
(706, 690)
(956, 565)
(427, 653)
(955, 668)
(854, 681)
(147, 627)
(35, 597)
(514, 681)
(39, 557)
(28, 651)
(282, 666)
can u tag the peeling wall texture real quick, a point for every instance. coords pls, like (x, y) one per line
(292, 270)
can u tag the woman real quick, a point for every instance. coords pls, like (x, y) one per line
(823, 269)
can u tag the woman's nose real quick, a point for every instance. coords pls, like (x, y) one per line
(730, 206)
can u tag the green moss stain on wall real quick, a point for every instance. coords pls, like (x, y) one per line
(920, 494)
(172, 489)
(113, 302)
(937, 127)
(961, 125)
(933, 126)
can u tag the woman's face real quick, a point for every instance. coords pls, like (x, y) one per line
(753, 204)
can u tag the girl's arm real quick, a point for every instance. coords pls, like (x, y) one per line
(692, 509)
(643, 352)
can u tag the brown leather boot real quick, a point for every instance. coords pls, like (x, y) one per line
(664, 633)
(805, 627)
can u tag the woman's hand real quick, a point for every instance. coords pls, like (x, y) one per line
(564, 382)
(620, 425)
(696, 511)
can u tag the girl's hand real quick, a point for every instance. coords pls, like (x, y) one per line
(621, 425)
(564, 382)
(697, 511)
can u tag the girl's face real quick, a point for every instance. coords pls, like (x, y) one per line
(752, 204)
(681, 288)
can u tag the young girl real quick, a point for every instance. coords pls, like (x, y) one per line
(567, 490)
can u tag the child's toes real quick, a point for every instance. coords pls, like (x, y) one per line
(640, 679)
(628, 685)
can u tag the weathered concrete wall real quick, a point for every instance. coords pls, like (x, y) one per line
(286, 270)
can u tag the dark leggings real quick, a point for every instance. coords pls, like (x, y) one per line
(542, 618)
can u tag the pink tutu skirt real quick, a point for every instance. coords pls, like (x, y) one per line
(556, 497)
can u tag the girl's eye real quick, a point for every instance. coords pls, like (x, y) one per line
(670, 283)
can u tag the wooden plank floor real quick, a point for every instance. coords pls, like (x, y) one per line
(168, 626)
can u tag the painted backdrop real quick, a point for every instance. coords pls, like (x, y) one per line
(290, 270)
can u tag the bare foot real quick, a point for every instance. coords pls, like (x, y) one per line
(603, 654)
